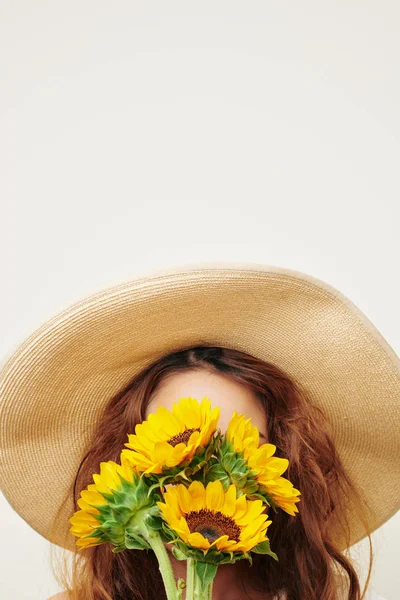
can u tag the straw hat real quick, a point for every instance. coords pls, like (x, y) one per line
(54, 386)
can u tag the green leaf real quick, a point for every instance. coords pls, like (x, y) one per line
(225, 557)
(263, 493)
(135, 542)
(133, 545)
(238, 479)
(105, 512)
(209, 452)
(240, 466)
(107, 496)
(153, 487)
(112, 529)
(251, 487)
(184, 473)
(122, 514)
(96, 533)
(141, 493)
(179, 555)
(217, 472)
(264, 548)
(153, 522)
(118, 549)
(189, 551)
(197, 464)
(206, 573)
(157, 497)
(230, 557)
(228, 461)
(168, 533)
(225, 446)
(118, 497)
(257, 496)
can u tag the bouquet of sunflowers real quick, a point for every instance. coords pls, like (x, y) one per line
(182, 482)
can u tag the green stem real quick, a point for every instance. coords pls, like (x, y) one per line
(164, 563)
(194, 589)
(208, 595)
(190, 578)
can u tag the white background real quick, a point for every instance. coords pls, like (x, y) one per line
(137, 135)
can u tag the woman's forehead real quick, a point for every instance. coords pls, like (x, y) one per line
(221, 390)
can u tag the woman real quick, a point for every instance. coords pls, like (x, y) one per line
(333, 512)
(234, 381)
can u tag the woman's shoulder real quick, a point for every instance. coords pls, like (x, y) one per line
(59, 596)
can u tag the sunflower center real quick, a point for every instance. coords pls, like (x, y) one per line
(212, 525)
(182, 437)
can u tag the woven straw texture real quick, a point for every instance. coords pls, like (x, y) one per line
(54, 386)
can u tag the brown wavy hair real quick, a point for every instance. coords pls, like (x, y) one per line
(311, 565)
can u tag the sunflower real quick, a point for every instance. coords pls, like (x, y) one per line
(84, 521)
(243, 439)
(207, 517)
(167, 439)
(108, 504)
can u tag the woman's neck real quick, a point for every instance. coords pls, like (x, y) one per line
(228, 583)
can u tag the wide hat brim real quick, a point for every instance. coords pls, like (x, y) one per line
(54, 386)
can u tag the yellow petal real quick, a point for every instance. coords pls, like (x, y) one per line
(109, 475)
(231, 425)
(214, 495)
(145, 431)
(182, 529)
(138, 461)
(184, 499)
(225, 544)
(253, 526)
(187, 410)
(153, 428)
(205, 409)
(82, 516)
(125, 469)
(220, 542)
(88, 542)
(177, 455)
(241, 507)
(254, 508)
(168, 422)
(230, 501)
(197, 495)
(198, 541)
(171, 499)
(93, 497)
(266, 451)
(194, 439)
(87, 507)
(162, 452)
(81, 530)
(169, 513)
